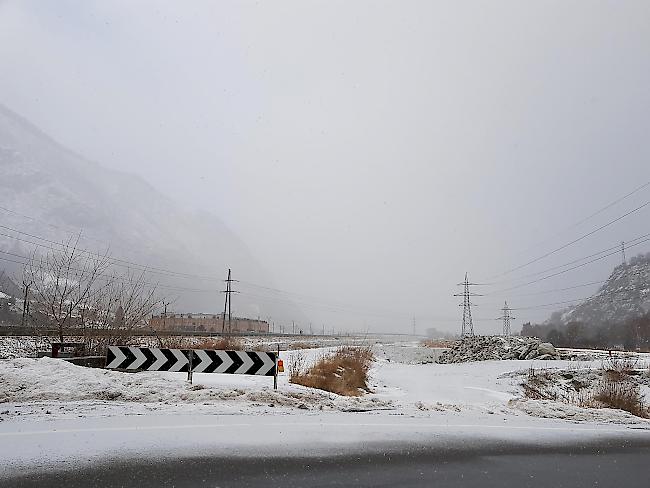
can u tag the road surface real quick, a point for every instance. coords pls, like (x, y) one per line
(615, 464)
(319, 450)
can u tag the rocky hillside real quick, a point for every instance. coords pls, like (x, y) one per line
(625, 295)
(49, 191)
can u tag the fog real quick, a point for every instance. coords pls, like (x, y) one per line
(368, 153)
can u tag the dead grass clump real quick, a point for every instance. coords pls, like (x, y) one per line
(621, 394)
(344, 372)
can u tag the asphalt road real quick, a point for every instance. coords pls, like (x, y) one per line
(617, 463)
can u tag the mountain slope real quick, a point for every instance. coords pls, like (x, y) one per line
(49, 191)
(625, 295)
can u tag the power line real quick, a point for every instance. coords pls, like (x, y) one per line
(552, 304)
(74, 233)
(115, 261)
(106, 277)
(555, 290)
(552, 268)
(560, 266)
(565, 271)
(597, 212)
(584, 236)
(609, 205)
(324, 306)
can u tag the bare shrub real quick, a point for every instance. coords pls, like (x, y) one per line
(296, 366)
(538, 385)
(622, 366)
(344, 372)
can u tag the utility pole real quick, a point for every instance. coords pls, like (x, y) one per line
(468, 326)
(227, 306)
(165, 304)
(506, 317)
(25, 303)
(623, 251)
(414, 326)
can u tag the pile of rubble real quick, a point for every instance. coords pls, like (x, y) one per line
(484, 348)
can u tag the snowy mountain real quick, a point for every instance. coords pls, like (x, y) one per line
(49, 191)
(625, 295)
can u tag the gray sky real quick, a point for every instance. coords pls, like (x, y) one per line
(369, 153)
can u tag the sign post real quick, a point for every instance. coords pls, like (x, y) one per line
(275, 376)
(189, 369)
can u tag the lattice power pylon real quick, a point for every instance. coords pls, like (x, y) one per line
(506, 317)
(468, 326)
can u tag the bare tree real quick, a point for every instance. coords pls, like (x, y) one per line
(62, 281)
(76, 292)
(117, 311)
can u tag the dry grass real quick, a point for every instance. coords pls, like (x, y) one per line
(616, 388)
(621, 394)
(538, 385)
(344, 372)
(622, 366)
(220, 344)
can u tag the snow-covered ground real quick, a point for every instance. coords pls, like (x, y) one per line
(412, 399)
(404, 381)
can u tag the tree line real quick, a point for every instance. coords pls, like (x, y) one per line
(630, 335)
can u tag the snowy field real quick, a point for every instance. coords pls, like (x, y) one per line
(412, 399)
(405, 380)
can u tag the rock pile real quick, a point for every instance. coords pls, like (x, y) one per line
(484, 348)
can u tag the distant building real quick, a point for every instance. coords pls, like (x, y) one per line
(206, 322)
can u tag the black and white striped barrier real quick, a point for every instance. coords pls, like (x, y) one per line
(191, 360)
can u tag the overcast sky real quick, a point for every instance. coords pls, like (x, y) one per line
(369, 153)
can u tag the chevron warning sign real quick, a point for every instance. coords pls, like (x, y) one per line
(201, 361)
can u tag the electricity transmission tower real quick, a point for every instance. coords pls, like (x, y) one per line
(228, 303)
(468, 326)
(506, 317)
(623, 251)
